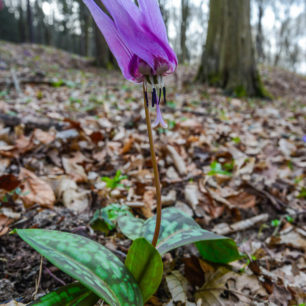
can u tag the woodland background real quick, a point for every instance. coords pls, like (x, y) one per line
(233, 157)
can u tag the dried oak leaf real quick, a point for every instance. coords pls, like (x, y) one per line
(74, 169)
(239, 289)
(35, 190)
(9, 182)
(242, 200)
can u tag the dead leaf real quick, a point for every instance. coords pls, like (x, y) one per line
(9, 182)
(192, 195)
(242, 289)
(127, 145)
(43, 137)
(35, 190)
(72, 197)
(149, 200)
(74, 169)
(177, 285)
(177, 160)
(96, 137)
(4, 222)
(242, 200)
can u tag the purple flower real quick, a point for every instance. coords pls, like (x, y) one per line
(137, 37)
(304, 138)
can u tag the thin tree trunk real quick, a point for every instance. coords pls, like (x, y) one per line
(30, 22)
(259, 33)
(184, 22)
(21, 24)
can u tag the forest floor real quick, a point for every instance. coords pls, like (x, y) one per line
(237, 166)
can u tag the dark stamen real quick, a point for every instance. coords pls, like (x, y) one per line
(164, 93)
(154, 97)
(159, 95)
(146, 98)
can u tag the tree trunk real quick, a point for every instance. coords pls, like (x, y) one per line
(184, 23)
(259, 33)
(228, 57)
(30, 22)
(21, 24)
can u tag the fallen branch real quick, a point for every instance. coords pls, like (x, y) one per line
(224, 229)
(31, 122)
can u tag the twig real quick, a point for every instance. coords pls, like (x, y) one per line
(15, 81)
(55, 277)
(232, 291)
(241, 225)
(156, 174)
(37, 283)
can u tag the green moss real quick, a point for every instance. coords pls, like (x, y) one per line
(214, 79)
(261, 90)
(240, 91)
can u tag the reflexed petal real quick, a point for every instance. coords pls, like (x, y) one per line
(153, 18)
(112, 37)
(159, 119)
(139, 40)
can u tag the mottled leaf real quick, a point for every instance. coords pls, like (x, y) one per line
(93, 265)
(71, 295)
(131, 227)
(146, 265)
(104, 219)
(177, 230)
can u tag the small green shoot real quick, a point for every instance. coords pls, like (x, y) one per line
(236, 140)
(302, 194)
(171, 104)
(216, 168)
(114, 182)
(289, 219)
(275, 222)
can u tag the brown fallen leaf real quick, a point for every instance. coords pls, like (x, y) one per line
(74, 169)
(241, 289)
(43, 137)
(9, 182)
(96, 137)
(127, 145)
(72, 197)
(242, 200)
(149, 200)
(4, 222)
(35, 190)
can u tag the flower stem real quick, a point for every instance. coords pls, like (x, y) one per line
(156, 174)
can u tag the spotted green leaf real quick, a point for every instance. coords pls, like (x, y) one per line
(177, 230)
(71, 295)
(146, 265)
(90, 263)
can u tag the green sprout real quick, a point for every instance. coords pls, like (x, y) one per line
(302, 194)
(289, 219)
(114, 182)
(275, 222)
(236, 140)
(216, 168)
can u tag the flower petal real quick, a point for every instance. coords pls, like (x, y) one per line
(153, 18)
(140, 41)
(119, 49)
(159, 119)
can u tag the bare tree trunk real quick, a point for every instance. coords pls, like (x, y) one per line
(30, 22)
(228, 58)
(259, 33)
(21, 24)
(184, 23)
